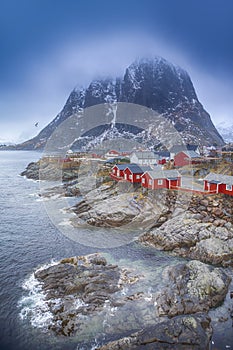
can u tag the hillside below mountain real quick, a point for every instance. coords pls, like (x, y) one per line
(153, 83)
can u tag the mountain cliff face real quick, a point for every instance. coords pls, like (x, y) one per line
(153, 83)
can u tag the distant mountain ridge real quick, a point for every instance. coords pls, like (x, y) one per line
(226, 131)
(153, 83)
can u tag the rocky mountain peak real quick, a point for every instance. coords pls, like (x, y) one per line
(151, 82)
(158, 84)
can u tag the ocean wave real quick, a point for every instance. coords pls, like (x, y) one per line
(34, 305)
(65, 222)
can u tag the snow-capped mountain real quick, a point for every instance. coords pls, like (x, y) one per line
(153, 83)
(226, 131)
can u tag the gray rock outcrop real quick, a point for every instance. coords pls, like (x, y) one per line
(179, 333)
(203, 231)
(191, 288)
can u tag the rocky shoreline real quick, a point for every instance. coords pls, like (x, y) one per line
(82, 285)
(198, 228)
(204, 231)
(82, 288)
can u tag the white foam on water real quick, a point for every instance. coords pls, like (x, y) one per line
(78, 303)
(65, 222)
(67, 211)
(93, 347)
(42, 199)
(149, 295)
(34, 305)
(124, 291)
(31, 180)
(36, 194)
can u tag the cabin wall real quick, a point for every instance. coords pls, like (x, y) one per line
(137, 178)
(163, 184)
(127, 173)
(223, 189)
(210, 187)
(174, 183)
(146, 179)
(205, 185)
(181, 159)
(128, 176)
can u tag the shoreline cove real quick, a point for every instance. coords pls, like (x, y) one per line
(28, 247)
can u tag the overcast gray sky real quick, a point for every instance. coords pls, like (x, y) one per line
(49, 47)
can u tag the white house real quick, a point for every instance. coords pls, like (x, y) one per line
(144, 158)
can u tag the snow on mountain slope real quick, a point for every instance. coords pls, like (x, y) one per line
(226, 131)
(153, 83)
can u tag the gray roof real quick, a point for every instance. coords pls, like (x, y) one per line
(161, 154)
(135, 169)
(145, 155)
(122, 166)
(192, 154)
(179, 148)
(164, 174)
(219, 178)
(145, 168)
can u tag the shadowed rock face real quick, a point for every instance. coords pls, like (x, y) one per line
(153, 83)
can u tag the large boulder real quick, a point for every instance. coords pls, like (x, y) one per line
(191, 288)
(188, 236)
(32, 171)
(107, 206)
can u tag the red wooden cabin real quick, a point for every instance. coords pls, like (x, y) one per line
(219, 183)
(161, 179)
(186, 158)
(133, 173)
(117, 172)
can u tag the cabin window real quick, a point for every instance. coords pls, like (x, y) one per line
(138, 176)
(150, 182)
(143, 180)
(228, 187)
(160, 182)
(130, 177)
(118, 173)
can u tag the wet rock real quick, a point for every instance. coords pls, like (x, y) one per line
(191, 288)
(217, 212)
(46, 170)
(190, 237)
(32, 171)
(214, 250)
(179, 333)
(219, 222)
(81, 286)
(204, 202)
(105, 207)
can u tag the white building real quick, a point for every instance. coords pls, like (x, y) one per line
(144, 158)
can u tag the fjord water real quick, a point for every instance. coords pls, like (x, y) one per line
(29, 240)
